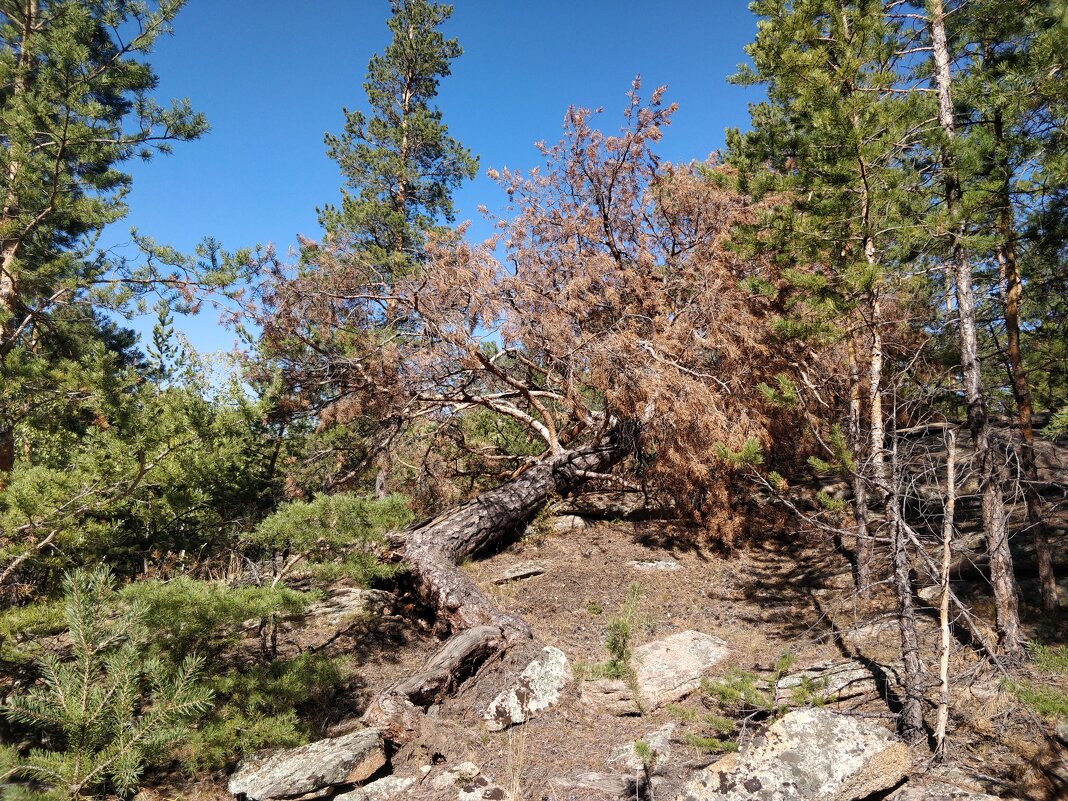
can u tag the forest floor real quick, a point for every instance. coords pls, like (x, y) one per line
(786, 594)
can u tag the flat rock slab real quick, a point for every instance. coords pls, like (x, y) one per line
(826, 681)
(593, 787)
(669, 669)
(521, 571)
(914, 792)
(294, 772)
(538, 688)
(386, 788)
(563, 523)
(481, 789)
(655, 565)
(808, 755)
(611, 696)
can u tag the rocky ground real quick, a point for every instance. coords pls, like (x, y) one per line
(700, 614)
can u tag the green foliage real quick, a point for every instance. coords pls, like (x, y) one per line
(739, 695)
(711, 745)
(830, 503)
(809, 692)
(751, 453)
(137, 472)
(400, 165)
(113, 708)
(1048, 702)
(336, 534)
(22, 627)
(1050, 658)
(167, 357)
(257, 707)
(204, 616)
(646, 755)
(783, 394)
(1058, 424)
(619, 641)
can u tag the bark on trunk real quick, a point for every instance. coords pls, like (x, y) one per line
(1012, 293)
(865, 545)
(948, 513)
(1006, 598)
(912, 690)
(12, 241)
(480, 628)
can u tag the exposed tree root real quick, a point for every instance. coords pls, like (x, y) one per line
(480, 629)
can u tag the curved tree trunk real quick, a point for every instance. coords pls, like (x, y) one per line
(480, 629)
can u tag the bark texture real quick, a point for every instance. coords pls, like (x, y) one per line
(988, 463)
(480, 629)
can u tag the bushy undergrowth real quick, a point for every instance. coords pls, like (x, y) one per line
(258, 707)
(106, 712)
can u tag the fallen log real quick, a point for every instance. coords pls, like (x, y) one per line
(432, 550)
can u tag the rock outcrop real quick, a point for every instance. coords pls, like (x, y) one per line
(296, 772)
(670, 669)
(808, 755)
(538, 688)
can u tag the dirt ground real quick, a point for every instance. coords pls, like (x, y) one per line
(784, 595)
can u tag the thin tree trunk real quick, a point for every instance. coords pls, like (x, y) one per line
(1006, 597)
(865, 545)
(1012, 292)
(912, 685)
(943, 606)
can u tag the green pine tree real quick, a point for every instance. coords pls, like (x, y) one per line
(399, 163)
(75, 105)
(108, 711)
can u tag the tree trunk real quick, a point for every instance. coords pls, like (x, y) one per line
(912, 685)
(865, 545)
(479, 627)
(1012, 293)
(948, 513)
(1006, 597)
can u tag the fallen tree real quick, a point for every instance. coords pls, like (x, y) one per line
(621, 330)
(434, 548)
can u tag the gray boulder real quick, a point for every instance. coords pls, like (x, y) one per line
(808, 755)
(564, 523)
(919, 792)
(538, 688)
(381, 790)
(295, 772)
(669, 669)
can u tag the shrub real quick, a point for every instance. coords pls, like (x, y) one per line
(108, 711)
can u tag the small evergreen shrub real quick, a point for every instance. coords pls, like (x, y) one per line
(258, 708)
(110, 710)
(619, 639)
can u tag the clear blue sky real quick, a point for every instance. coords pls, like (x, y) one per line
(272, 78)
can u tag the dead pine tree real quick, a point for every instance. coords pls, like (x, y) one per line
(948, 512)
(619, 321)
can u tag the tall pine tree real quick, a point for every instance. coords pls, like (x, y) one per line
(75, 104)
(399, 162)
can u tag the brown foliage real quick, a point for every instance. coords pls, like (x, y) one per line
(621, 300)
